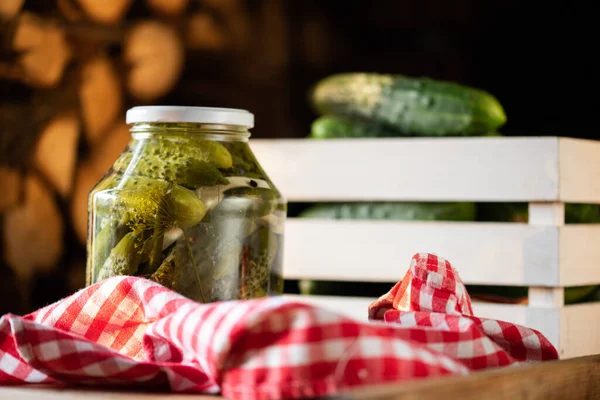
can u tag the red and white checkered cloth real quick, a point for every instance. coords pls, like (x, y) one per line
(128, 330)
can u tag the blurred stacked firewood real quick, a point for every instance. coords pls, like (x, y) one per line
(68, 71)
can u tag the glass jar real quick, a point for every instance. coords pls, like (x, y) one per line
(188, 205)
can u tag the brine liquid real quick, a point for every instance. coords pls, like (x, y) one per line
(234, 252)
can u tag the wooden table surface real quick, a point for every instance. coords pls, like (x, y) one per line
(577, 378)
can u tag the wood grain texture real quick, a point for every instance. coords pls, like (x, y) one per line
(10, 182)
(33, 232)
(10, 8)
(56, 152)
(101, 97)
(105, 11)
(43, 51)
(155, 57)
(168, 7)
(91, 170)
(568, 379)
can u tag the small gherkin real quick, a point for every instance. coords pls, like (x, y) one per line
(409, 105)
(140, 202)
(190, 163)
(147, 207)
(262, 247)
(154, 219)
(332, 127)
(124, 258)
(108, 237)
(243, 161)
(168, 272)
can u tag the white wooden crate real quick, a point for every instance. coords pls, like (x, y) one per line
(544, 254)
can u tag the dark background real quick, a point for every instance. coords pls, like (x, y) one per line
(535, 57)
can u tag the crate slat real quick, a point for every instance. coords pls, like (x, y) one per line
(433, 169)
(380, 251)
(484, 253)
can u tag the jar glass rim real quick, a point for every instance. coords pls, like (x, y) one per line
(184, 114)
(218, 132)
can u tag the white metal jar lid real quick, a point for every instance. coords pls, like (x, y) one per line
(198, 115)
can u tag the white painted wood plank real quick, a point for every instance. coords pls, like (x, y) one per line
(380, 251)
(546, 297)
(412, 169)
(579, 254)
(515, 313)
(579, 163)
(354, 307)
(547, 321)
(544, 214)
(580, 330)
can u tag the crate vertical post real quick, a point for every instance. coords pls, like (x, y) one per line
(546, 214)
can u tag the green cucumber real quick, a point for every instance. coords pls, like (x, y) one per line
(393, 211)
(345, 288)
(582, 214)
(573, 295)
(417, 106)
(518, 212)
(579, 293)
(330, 127)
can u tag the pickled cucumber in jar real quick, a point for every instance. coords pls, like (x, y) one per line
(187, 205)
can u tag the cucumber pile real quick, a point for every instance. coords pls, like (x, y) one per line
(377, 105)
(371, 105)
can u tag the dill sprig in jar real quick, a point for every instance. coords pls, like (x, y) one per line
(187, 205)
